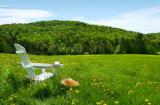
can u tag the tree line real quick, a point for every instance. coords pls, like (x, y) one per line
(73, 37)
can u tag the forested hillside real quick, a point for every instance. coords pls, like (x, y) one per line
(72, 37)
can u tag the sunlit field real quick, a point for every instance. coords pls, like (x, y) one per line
(104, 80)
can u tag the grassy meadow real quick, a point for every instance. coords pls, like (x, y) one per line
(104, 80)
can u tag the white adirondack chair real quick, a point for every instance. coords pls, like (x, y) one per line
(30, 67)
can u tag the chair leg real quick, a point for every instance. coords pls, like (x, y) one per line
(53, 70)
(43, 70)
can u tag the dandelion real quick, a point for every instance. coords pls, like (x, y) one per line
(116, 102)
(155, 82)
(70, 89)
(67, 91)
(108, 89)
(73, 103)
(76, 91)
(111, 92)
(100, 79)
(11, 98)
(67, 102)
(138, 83)
(146, 100)
(98, 103)
(130, 92)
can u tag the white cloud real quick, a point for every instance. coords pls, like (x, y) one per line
(144, 20)
(8, 15)
(79, 18)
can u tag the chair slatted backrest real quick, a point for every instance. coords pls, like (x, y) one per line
(26, 63)
(23, 54)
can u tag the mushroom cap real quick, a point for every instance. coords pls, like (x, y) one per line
(70, 82)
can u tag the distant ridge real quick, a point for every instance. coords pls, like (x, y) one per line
(74, 37)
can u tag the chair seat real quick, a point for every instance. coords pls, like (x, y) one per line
(45, 65)
(41, 65)
(43, 76)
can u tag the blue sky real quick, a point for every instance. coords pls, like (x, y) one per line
(137, 15)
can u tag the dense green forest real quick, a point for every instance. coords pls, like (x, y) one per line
(73, 37)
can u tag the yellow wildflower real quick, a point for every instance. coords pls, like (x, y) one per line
(138, 83)
(130, 92)
(108, 89)
(76, 91)
(70, 89)
(116, 102)
(11, 98)
(146, 100)
(98, 103)
(94, 80)
(73, 103)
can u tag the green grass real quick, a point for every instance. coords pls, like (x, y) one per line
(113, 79)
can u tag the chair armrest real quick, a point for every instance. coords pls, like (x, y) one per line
(57, 65)
(45, 65)
(41, 65)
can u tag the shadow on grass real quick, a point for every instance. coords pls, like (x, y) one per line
(50, 88)
(17, 88)
(17, 81)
